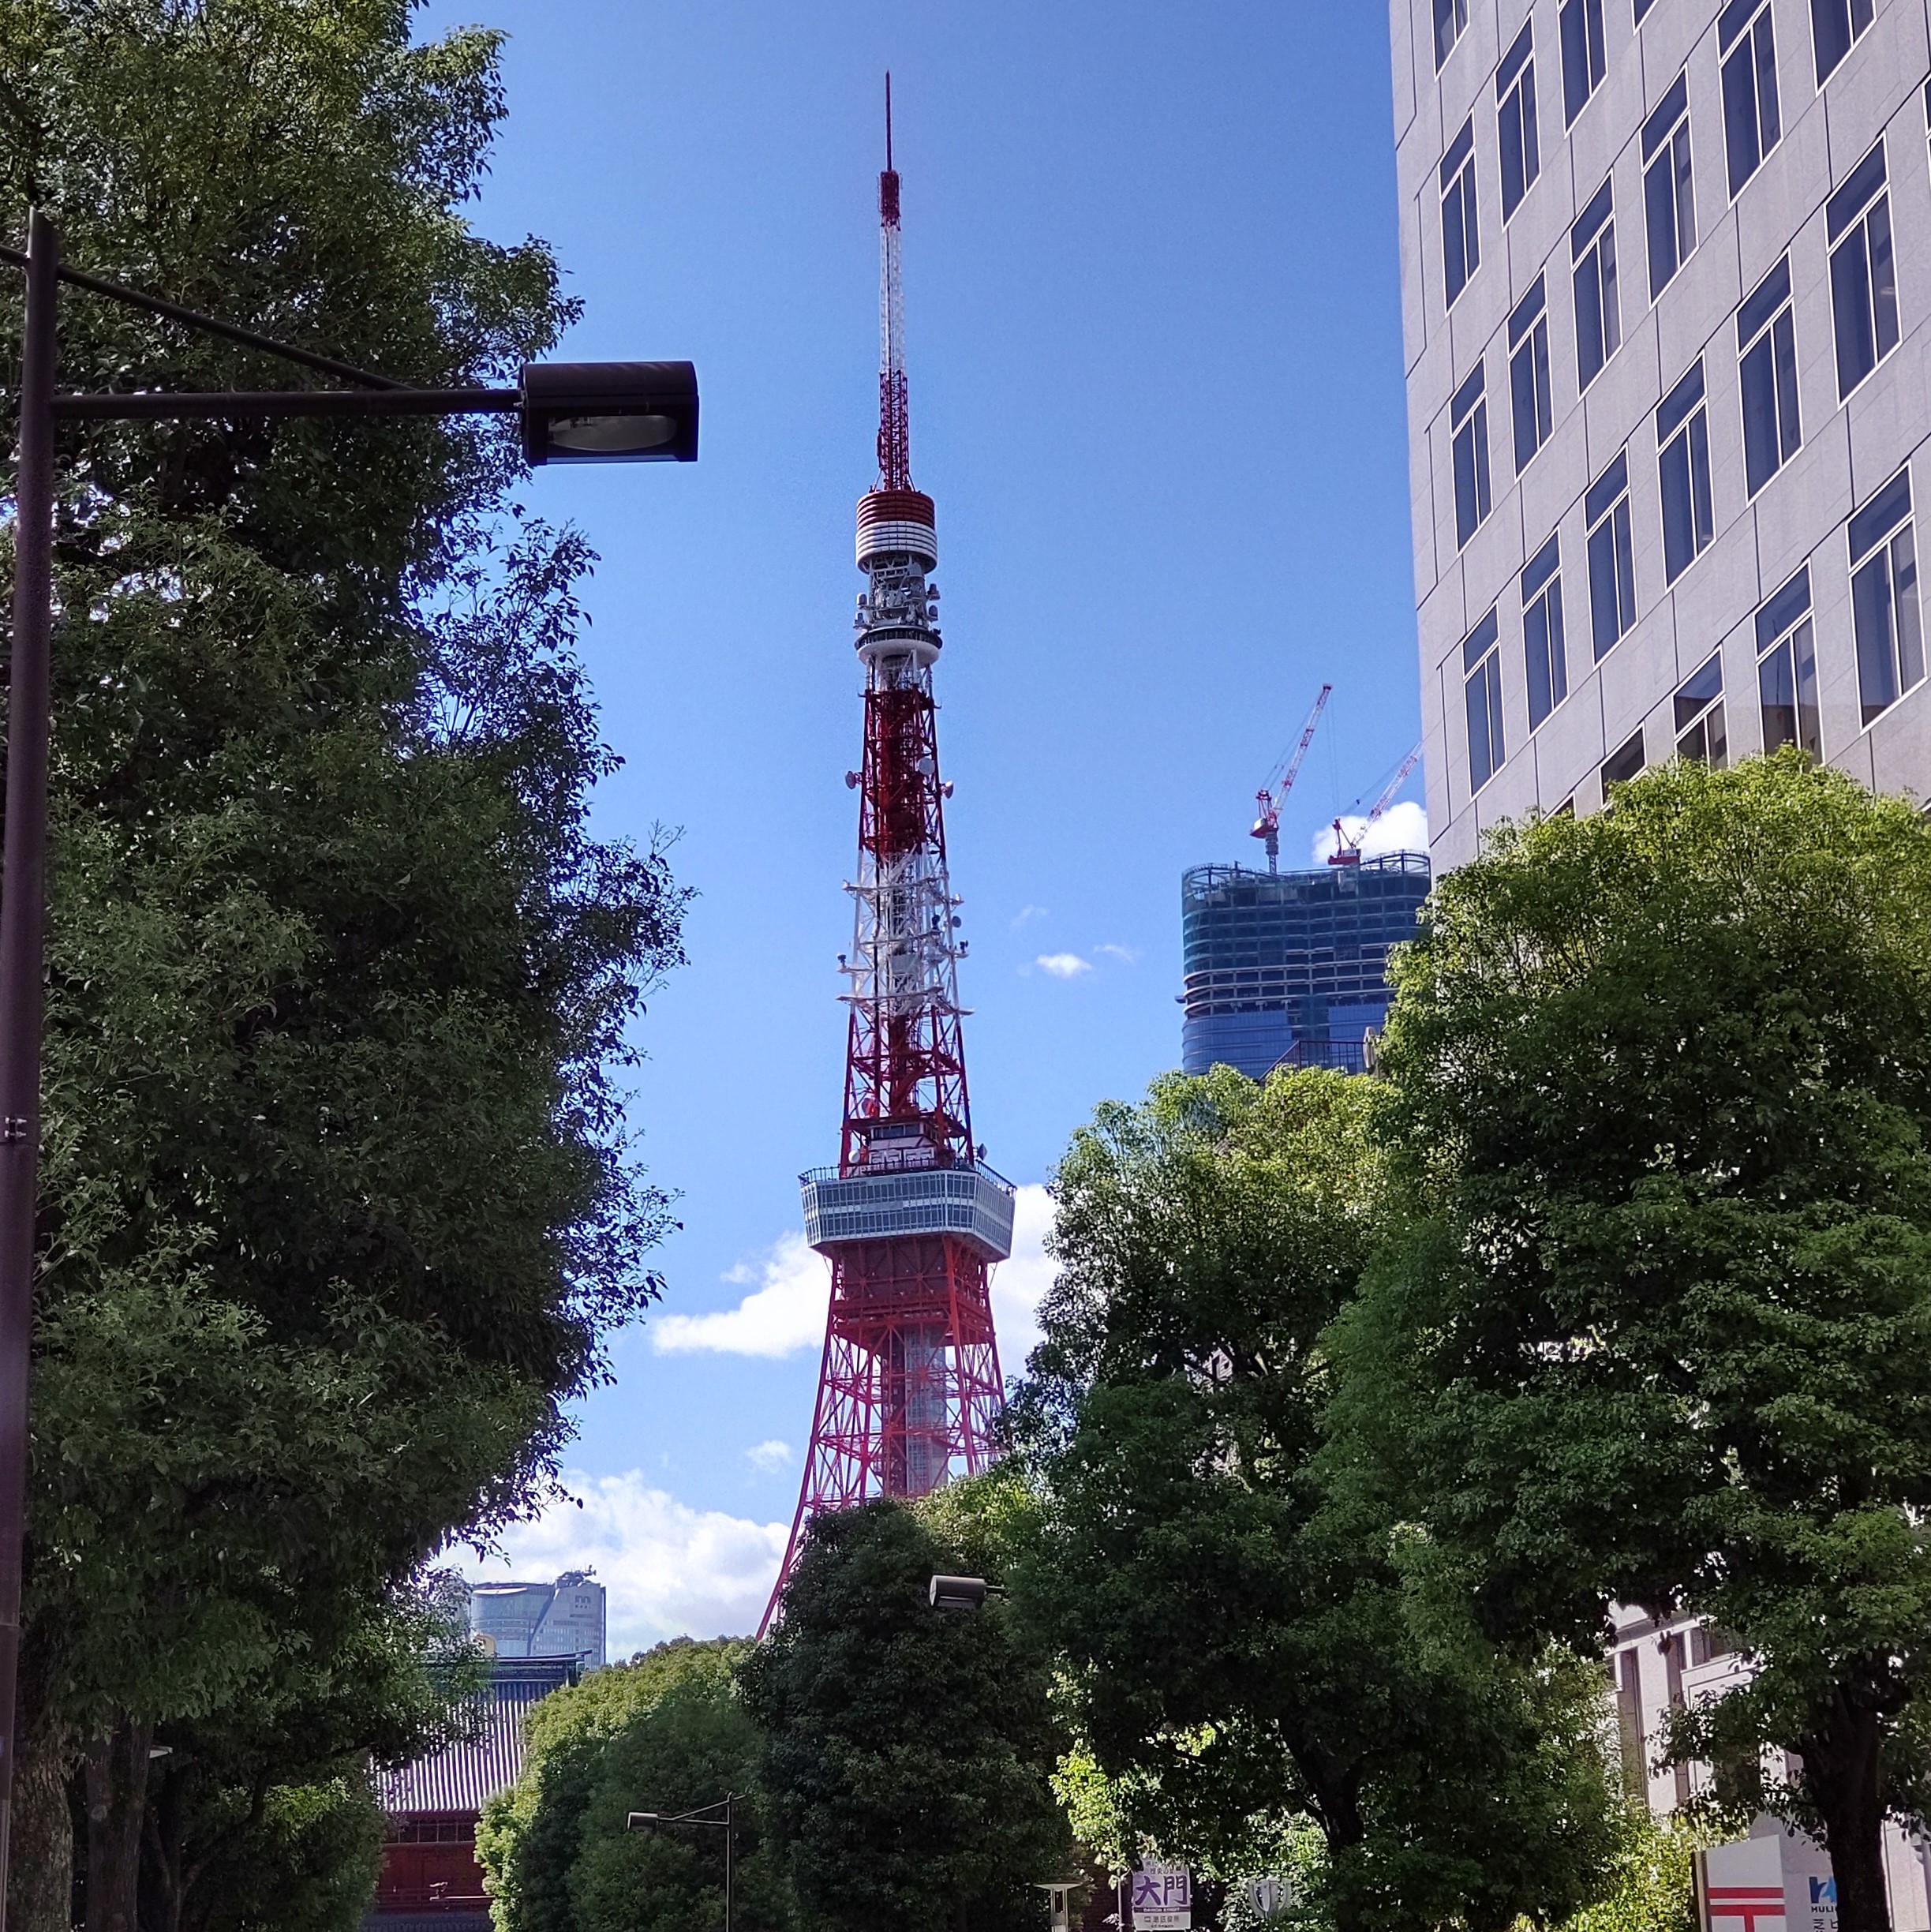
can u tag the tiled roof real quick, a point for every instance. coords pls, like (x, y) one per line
(465, 1777)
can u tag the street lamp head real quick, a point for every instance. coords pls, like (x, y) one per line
(640, 1819)
(957, 1592)
(610, 412)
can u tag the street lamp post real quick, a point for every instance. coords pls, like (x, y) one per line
(583, 412)
(650, 1820)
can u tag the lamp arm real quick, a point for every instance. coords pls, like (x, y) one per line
(213, 325)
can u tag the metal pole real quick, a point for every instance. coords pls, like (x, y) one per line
(22, 918)
(730, 1800)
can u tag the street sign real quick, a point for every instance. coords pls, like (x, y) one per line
(1269, 1896)
(1162, 1896)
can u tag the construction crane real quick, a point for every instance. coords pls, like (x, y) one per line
(1348, 850)
(1281, 781)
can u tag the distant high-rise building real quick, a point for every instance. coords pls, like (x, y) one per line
(1291, 967)
(561, 1620)
(1666, 342)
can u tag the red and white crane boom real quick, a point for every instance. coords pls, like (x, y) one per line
(1270, 797)
(1348, 850)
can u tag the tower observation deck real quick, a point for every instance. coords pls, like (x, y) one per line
(910, 1218)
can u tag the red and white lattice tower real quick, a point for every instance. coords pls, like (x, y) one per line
(910, 1218)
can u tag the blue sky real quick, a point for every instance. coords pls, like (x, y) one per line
(1156, 391)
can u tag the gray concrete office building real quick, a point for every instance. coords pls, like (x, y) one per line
(1666, 280)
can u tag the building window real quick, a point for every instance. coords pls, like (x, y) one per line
(1515, 119)
(1481, 690)
(1786, 669)
(1469, 425)
(1612, 568)
(1751, 125)
(1642, 7)
(1669, 206)
(1583, 58)
(1834, 25)
(1864, 279)
(1767, 371)
(1530, 401)
(1623, 764)
(1450, 17)
(1683, 471)
(1545, 664)
(1461, 241)
(1884, 598)
(1699, 715)
(1599, 315)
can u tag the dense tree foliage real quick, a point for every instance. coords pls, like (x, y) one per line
(1659, 1328)
(336, 1211)
(906, 1752)
(1247, 1641)
(666, 1732)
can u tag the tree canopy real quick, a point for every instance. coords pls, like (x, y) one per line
(1247, 1641)
(1657, 1328)
(665, 1732)
(906, 1752)
(337, 1209)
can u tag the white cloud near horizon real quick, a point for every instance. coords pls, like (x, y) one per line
(1063, 965)
(1019, 1283)
(671, 1570)
(784, 1313)
(1401, 828)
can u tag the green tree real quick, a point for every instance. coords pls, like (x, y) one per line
(907, 1752)
(336, 1206)
(1249, 1641)
(666, 1732)
(1660, 1329)
(264, 1815)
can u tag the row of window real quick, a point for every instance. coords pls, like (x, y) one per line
(1863, 314)
(1886, 623)
(1753, 121)
(1834, 24)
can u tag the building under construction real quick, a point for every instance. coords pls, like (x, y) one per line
(1291, 968)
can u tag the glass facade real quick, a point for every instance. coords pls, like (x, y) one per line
(561, 1620)
(1291, 967)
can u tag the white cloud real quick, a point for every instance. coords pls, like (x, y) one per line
(1125, 955)
(1018, 1284)
(769, 1456)
(1063, 965)
(671, 1570)
(1026, 914)
(1401, 828)
(784, 1314)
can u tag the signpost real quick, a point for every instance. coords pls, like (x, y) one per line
(1162, 1898)
(1265, 1896)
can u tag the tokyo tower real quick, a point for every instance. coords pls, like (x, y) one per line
(910, 1218)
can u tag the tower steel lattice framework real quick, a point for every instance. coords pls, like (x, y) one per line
(911, 1219)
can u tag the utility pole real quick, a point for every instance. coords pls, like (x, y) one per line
(653, 1821)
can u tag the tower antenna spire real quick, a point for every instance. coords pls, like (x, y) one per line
(895, 458)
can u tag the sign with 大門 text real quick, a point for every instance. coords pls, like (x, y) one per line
(1162, 1896)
